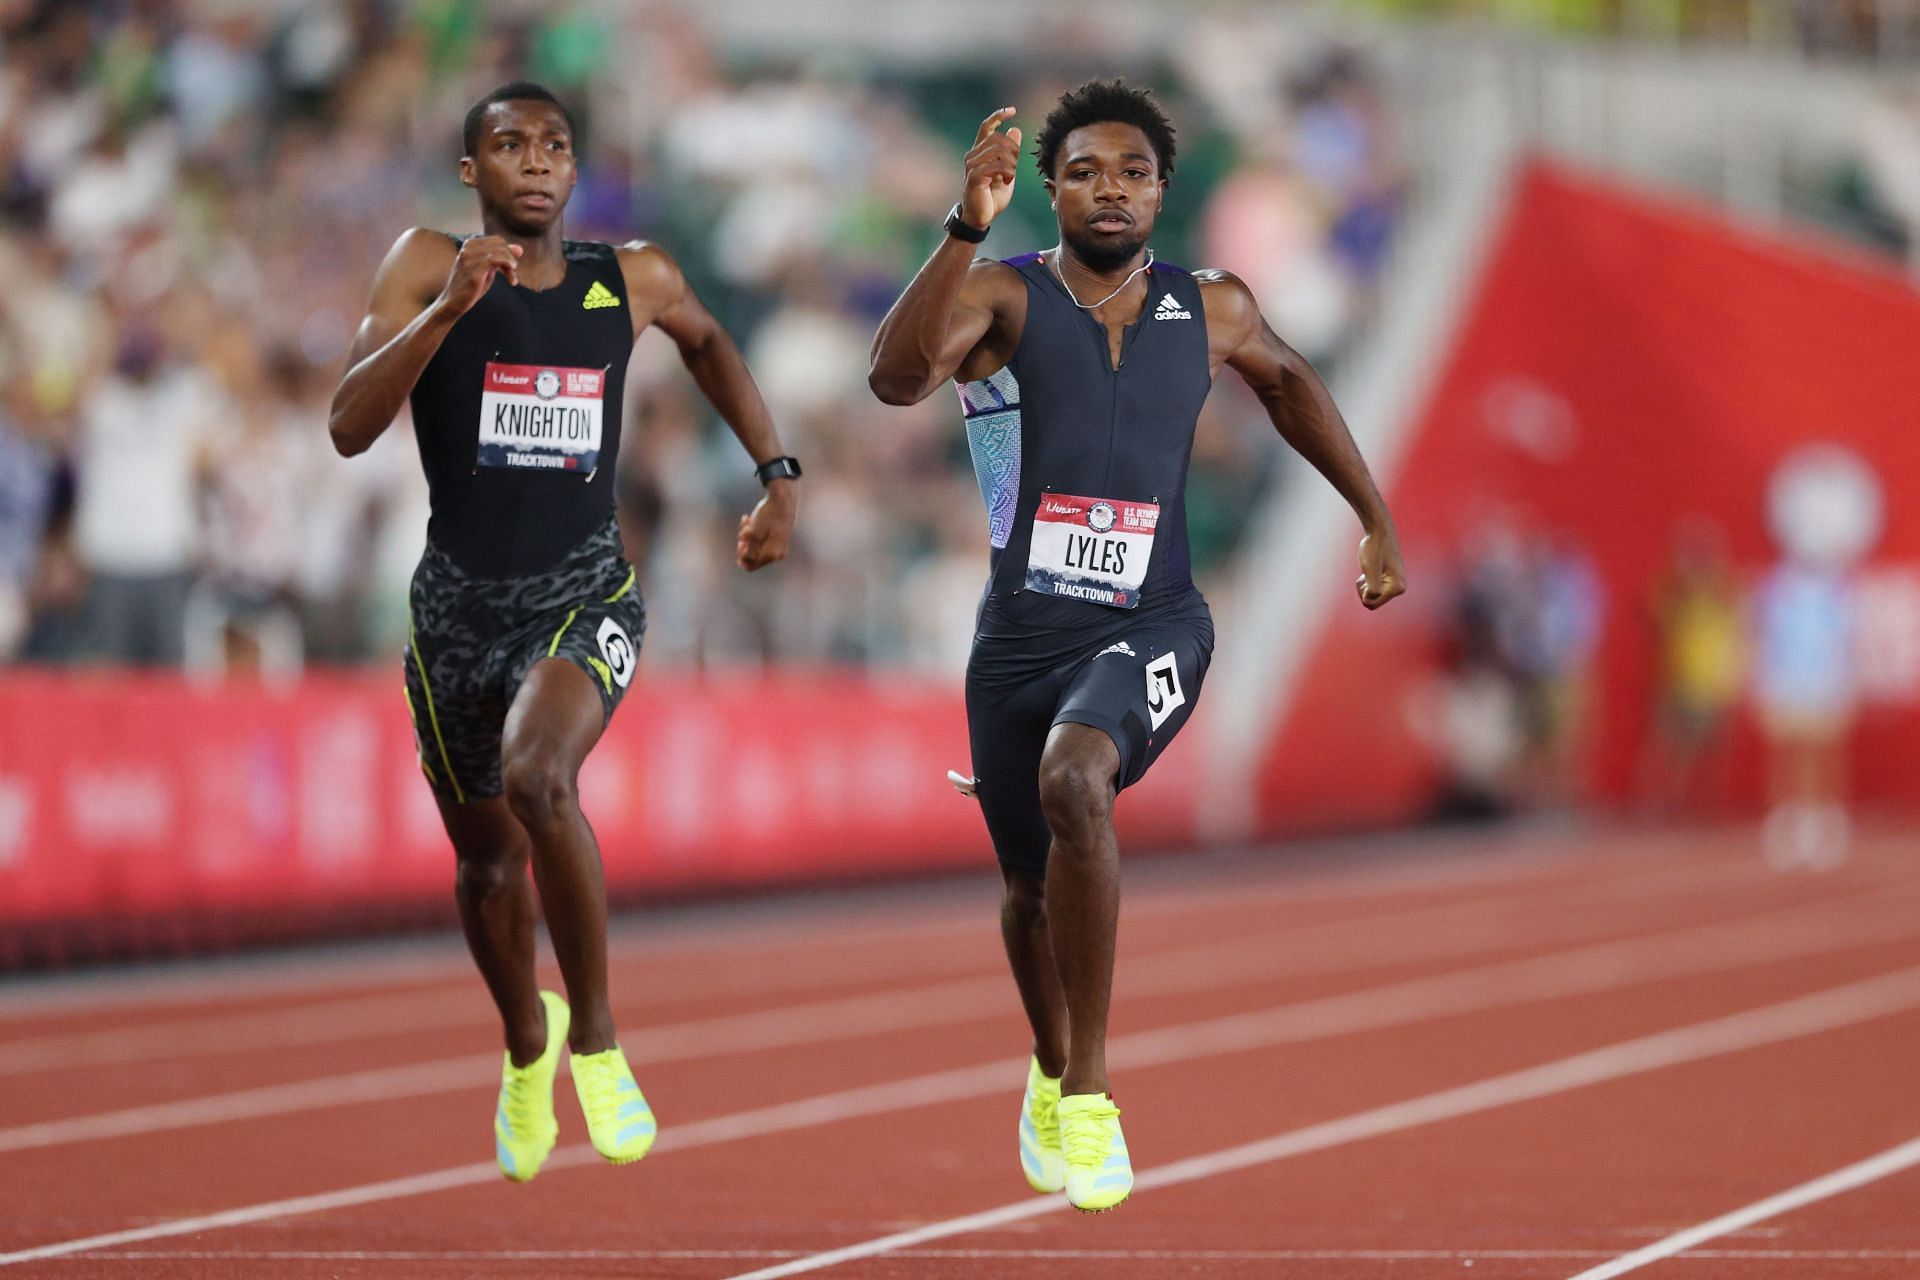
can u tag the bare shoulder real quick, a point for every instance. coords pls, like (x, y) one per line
(650, 272)
(416, 268)
(1226, 294)
(990, 280)
(423, 248)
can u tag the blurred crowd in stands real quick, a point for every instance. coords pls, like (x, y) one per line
(194, 195)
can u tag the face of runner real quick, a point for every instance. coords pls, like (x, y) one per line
(1106, 188)
(523, 167)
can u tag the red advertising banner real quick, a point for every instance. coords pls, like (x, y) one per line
(1629, 368)
(125, 796)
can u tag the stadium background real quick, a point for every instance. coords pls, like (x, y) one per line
(1585, 276)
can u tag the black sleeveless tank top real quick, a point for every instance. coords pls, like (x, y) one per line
(1061, 419)
(518, 418)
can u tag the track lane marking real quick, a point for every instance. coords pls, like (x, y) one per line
(1854, 1176)
(1796, 931)
(1518, 859)
(1065, 1255)
(1828, 1010)
(365, 1017)
(1234, 1033)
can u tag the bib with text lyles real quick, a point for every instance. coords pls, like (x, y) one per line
(1093, 549)
(541, 416)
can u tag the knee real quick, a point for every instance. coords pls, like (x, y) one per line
(1024, 899)
(1076, 800)
(538, 790)
(480, 874)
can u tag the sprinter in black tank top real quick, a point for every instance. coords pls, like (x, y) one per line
(1082, 370)
(526, 623)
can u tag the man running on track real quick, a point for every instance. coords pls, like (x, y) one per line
(1081, 371)
(525, 621)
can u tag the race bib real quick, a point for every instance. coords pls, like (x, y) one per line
(1091, 548)
(541, 416)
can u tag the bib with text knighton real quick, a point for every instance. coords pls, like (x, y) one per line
(1093, 549)
(541, 416)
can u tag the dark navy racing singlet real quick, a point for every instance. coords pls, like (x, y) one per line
(1083, 467)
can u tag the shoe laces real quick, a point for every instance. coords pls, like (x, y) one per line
(1088, 1139)
(1044, 1111)
(522, 1100)
(601, 1097)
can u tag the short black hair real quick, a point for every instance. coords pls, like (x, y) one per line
(518, 91)
(1104, 102)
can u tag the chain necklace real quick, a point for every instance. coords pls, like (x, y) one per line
(1093, 306)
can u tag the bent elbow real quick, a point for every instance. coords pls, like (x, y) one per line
(345, 443)
(891, 388)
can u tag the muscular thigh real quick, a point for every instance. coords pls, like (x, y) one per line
(1008, 729)
(1141, 689)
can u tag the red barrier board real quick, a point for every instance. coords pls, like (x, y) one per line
(1625, 363)
(123, 795)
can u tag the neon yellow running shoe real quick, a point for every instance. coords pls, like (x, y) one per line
(1099, 1174)
(524, 1129)
(619, 1120)
(1040, 1156)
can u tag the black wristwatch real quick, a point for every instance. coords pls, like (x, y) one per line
(777, 469)
(960, 229)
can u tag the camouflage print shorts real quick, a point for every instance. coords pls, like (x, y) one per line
(472, 641)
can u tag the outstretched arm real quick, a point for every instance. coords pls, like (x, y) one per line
(423, 286)
(952, 318)
(658, 294)
(1303, 412)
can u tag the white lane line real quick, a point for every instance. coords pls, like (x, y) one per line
(1904, 1156)
(1070, 1255)
(409, 1013)
(1835, 925)
(1519, 858)
(1411, 1002)
(1828, 1010)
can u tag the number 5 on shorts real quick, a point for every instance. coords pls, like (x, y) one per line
(1164, 694)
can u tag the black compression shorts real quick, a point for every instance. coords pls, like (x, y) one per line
(1138, 685)
(473, 640)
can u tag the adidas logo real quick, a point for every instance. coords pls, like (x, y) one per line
(1118, 647)
(599, 296)
(1171, 310)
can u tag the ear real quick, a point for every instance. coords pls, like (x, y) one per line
(466, 171)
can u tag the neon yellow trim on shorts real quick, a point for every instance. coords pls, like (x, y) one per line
(555, 646)
(413, 719)
(606, 673)
(625, 586)
(433, 716)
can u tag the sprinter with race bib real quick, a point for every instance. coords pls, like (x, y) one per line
(525, 619)
(1081, 371)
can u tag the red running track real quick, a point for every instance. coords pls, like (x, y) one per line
(1528, 1057)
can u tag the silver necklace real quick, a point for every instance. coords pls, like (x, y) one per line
(1091, 306)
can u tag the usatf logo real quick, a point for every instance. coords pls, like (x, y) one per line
(1169, 309)
(1100, 517)
(546, 384)
(599, 296)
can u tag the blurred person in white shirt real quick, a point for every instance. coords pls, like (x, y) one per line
(141, 445)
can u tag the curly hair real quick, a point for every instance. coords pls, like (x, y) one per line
(518, 91)
(1105, 102)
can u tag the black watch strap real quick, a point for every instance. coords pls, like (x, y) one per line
(960, 229)
(777, 469)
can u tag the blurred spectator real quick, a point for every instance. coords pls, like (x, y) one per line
(1555, 631)
(145, 431)
(1804, 683)
(193, 199)
(1698, 617)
